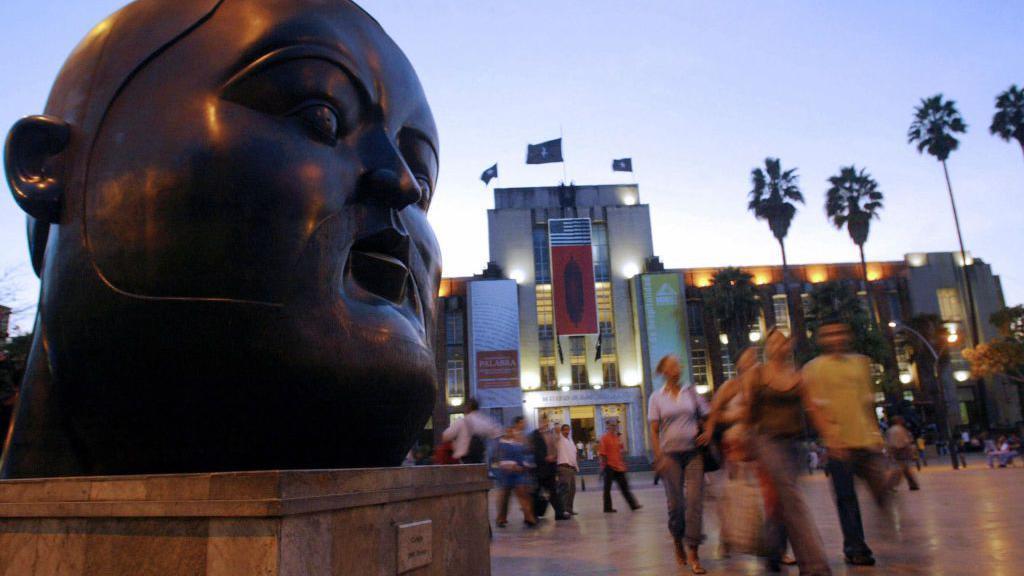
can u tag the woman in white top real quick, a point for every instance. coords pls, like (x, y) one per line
(673, 413)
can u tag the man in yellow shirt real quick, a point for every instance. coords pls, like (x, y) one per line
(840, 387)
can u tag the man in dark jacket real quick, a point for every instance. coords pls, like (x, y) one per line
(542, 443)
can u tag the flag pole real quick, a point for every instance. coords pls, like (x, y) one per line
(561, 137)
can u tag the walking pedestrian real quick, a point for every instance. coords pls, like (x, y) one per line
(545, 458)
(729, 412)
(614, 467)
(567, 470)
(673, 413)
(839, 381)
(513, 475)
(901, 445)
(777, 396)
(471, 434)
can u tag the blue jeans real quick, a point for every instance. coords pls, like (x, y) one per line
(683, 479)
(871, 467)
(780, 460)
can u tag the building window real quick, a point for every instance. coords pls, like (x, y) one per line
(453, 328)
(949, 305)
(548, 378)
(611, 374)
(728, 368)
(602, 262)
(699, 365)
(545, 314)
(607, 339)
(578, 361)
(456, 378)
(781, 307)
(695, 318)
(541, 255)
(580, 378)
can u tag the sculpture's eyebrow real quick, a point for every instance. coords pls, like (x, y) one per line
(327, 52)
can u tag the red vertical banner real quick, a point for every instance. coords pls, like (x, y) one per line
(572, 276)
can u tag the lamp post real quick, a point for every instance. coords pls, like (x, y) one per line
(954, 458)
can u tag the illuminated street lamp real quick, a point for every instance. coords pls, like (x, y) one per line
(938, 386)
(961, 375)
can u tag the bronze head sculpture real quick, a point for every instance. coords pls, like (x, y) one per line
(227, 210)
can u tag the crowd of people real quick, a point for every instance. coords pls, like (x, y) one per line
(758, 428)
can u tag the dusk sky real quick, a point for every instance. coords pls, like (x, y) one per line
(697, 93)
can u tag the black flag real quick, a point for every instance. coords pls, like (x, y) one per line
(545, 152)
(622, 165)
(489, 174)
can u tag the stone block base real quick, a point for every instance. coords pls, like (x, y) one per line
(382, 521)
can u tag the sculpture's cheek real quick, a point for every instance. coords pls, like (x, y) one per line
(222, 210)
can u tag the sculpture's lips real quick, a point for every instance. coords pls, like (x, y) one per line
(379, 264)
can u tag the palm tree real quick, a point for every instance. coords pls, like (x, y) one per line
(772, 199)
(935, 122)
(852, 201)
(1008, 121)
(732, 298)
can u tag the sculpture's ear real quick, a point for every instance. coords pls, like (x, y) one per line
(34, 159)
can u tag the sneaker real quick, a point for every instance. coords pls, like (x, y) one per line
(610, 510)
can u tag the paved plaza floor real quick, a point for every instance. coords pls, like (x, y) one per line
(961, 522)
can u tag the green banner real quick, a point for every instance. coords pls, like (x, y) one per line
(665, 319)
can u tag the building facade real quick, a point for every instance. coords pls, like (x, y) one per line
(504, 319)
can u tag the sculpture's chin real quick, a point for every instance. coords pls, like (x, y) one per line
(226, 387)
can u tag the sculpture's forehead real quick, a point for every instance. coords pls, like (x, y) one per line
(261, 27)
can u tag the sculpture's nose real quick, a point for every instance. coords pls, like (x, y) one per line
(388, 180)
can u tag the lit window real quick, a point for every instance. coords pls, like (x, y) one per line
(949, 304)
(456, 379)
(781, 307)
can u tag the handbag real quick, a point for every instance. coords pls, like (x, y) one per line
(710, 453)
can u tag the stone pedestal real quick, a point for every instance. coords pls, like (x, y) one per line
(382, 521)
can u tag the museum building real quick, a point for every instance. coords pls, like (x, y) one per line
(517, 336)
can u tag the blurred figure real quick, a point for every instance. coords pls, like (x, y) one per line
(922, 456)
(567, 470)
(728, 412)
(8, 395)
(513, 475)
(614, 467)
(778, 397)
(545, 457)
(901, 445)
(471, 434)
(840, 385)
(674, 413)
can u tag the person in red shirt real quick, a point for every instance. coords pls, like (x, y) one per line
(614, 467)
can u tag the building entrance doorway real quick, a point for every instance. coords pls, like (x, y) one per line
(581, 420)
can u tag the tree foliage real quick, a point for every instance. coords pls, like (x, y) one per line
(852, 200)
(839, 302)
(1000, 357)
(1008, 121)
(773, 196)
(732, 298)
(1010, 322)
(935, 122)
(1003, 356)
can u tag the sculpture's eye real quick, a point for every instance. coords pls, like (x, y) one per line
(321, 120)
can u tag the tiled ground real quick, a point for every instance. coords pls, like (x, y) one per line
(961, 522)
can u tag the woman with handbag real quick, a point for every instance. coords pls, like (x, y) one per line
(674, 413)
(778, 399)
(739, 514)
